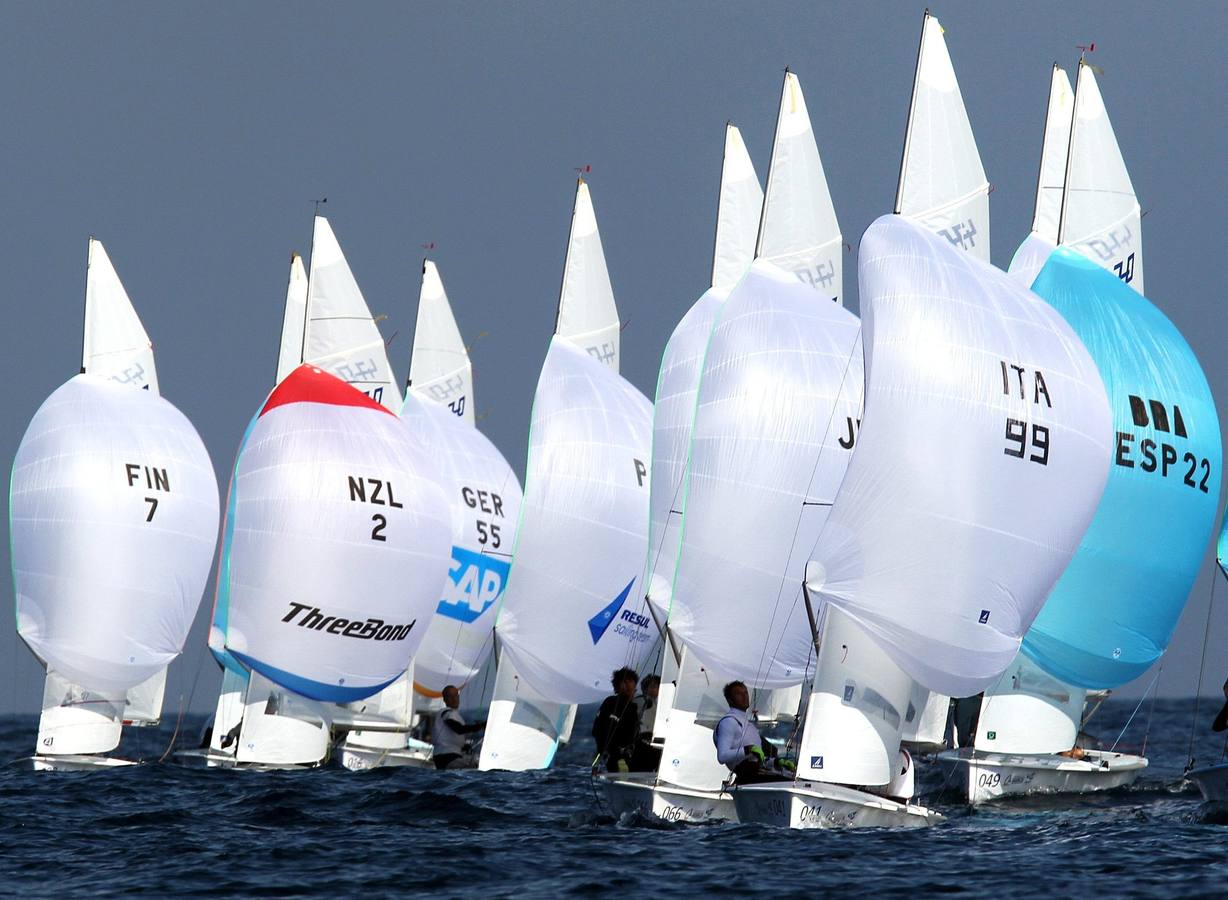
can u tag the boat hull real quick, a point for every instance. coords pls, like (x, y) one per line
(358, 758)
(214, 760)
(643, 793)
(1212, 781)
(991, 776)
(814, 804)
(78, 763)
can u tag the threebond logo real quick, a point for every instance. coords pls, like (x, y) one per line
(599, 623)
(475, 582)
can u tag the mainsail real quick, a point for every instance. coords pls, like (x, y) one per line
(439, 369)
(942, 182)
(341, 335)
(336, 542)
(113, 518)
(115, 344)
(587, 315)
(294, 321)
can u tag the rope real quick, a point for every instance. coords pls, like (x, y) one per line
(1136, 709)
(1201, 666)
(1151, 709)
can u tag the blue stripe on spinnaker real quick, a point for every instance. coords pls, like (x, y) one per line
(1113, 611)
(305, 687)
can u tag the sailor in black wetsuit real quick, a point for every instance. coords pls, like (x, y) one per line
(618, 722)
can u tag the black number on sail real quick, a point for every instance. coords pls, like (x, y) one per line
(153, 507)
(377, 533)
(1017, 436)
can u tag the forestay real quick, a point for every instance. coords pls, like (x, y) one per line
(737, 226)
(981, 457)
(1101, 217)
(1030, 258)
(942, 182)
(342, 337)
(572, 611)
(778, 403)
(485, 499)
(587, 315)
(113, 520)
(1138, 561)
(439, 369)
(115, 345)
(798, 231)
(336, 542)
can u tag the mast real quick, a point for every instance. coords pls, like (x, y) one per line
(767, 193)
(1070, 146)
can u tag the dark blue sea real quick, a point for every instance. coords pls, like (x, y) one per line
(161, 829)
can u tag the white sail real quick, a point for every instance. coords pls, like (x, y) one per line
(76, 720)
(143, 703)
(942, 182)
(799, 231)
(696, 704)
(571, 612)
(439, 369)
(778, 403)
(281, 728)
(523, 729)
(336, 543)
(737, 214)
(1101, 217)
(294, 320)
(983, 452)
(484, 494)
(113, 521)
(1032, 254)
(341, 336)
(587, 314)
(115, 345)
(1029, 711)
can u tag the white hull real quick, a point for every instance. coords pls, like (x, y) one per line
(217, 760)
(993, 776)
(1212, 781)
(643, 793)
(814, 804)
(78, 763)
(358, 758)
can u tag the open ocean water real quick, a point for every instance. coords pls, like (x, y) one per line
(162, 829)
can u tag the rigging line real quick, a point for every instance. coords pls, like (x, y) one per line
(1133, 714)
(1201, 666)
(184, 707)
(797, 526)
(1151, 709)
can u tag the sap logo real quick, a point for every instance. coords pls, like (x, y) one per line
(849, 439)
(820, 276)
(1108, 246)
(984, 617)
(636, 619)
(605, 353)
(443, 391)
(475, 583)
(600, 623)
(131, 375)
(816, 762)
(961, 234)
(380, 492)
(1154, 414)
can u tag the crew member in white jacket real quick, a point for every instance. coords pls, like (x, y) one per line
(738, 745)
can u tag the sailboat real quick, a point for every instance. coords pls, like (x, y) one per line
(1113, 612)
(571, 612)
(113, 517)
(485, 499)
(798, 247)
(1212, 781)
(951, 472)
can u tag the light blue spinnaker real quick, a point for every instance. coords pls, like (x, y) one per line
(1113, 611)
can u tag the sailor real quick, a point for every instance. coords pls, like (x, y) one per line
(618, 723)
(646, 757)
(1221, 719)
(452, 750)
(738, 745)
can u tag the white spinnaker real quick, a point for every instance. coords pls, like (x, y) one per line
(337, 542)
(1032, 254)
(587, 315)
(485, 498)
(439, 369)
(341, 335)
(1101, 217)
(115, 345)
(942, 182)
(294, 320)
(572, 612)
(737, 214)
(970, 486)
(113, 520)
(799, 231)
(778, 402)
